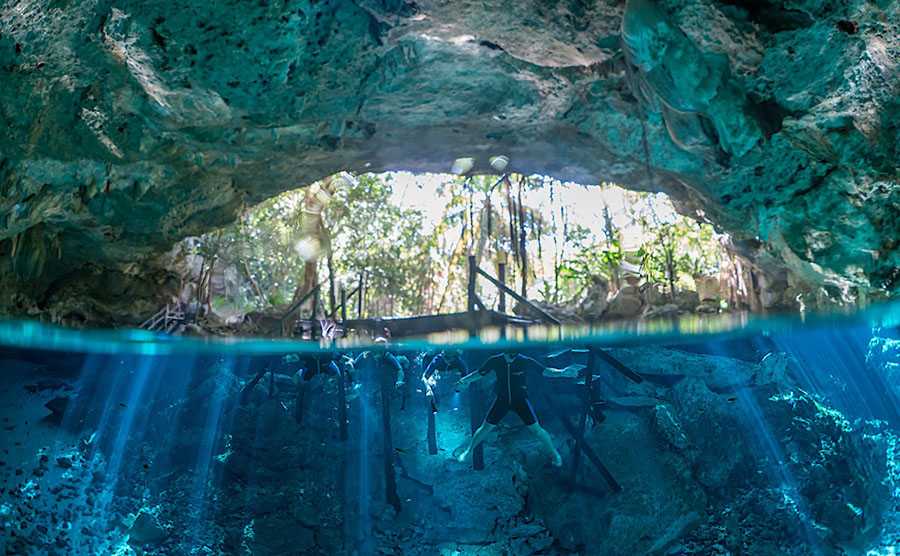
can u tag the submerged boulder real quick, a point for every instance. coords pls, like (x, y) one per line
(146, 529)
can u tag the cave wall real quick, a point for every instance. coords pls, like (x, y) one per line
(128, 125)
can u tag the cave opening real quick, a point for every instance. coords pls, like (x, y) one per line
(583, 253)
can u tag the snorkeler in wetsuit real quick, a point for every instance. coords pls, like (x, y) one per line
(381, 360)
(435, 364)
(311, 366)
(510, 369)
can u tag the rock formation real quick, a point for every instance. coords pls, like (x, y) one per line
(130, 125)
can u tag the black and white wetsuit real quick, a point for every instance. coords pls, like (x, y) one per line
(511, 387)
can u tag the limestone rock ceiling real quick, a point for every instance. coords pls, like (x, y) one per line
(129, 124)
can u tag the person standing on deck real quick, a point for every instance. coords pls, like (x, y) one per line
(510, 369)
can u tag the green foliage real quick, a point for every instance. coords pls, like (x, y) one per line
(354, 226)
(364, 230)
(678, 251)
(387, 242)
(591, 258)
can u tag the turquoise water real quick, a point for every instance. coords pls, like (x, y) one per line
(733, 435)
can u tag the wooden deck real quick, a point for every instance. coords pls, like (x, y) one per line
(405, 327)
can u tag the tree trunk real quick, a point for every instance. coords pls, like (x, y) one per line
(253, 283)
(523, 241)
(332, 297)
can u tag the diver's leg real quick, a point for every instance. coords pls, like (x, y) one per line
(299, 402)
(526, 412)
(483, 431)
(495, 414)
(302, 380)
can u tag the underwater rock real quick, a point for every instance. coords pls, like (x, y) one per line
(657, 492)
(712, 437)
(58, 406)
(883, 357)
(48, 384)
(670, 366)
(836, 466)
(146, 529)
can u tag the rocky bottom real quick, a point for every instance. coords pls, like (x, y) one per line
(711, 459)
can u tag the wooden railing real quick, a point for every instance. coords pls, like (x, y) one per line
(359, 292)
(167, 319)
(475, 302)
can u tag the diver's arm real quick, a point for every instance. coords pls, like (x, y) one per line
(433, 366)
(398, 369)
(359, 357)
(476, 375)
(333, 368)
(573, 370)
(532, 364)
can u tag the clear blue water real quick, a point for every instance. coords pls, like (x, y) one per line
(737, 435)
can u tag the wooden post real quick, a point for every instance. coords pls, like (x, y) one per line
(475, 419)
(474, 393)
(360, 294)
(470, 294)
(298, 402)
(315, 307)
(342, 398)
(390, 480)
(501, 302)
(343, 305)
(588, 403)
(432, 432)
(501, 277)
(332, 303)
(588, 451)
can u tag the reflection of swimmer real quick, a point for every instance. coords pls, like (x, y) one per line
(510, 369)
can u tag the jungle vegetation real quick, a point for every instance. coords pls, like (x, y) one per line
(333, 231)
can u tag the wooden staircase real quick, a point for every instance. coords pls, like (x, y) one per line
(169, 319)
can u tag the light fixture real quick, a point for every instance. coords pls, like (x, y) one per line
(499, 163)
(462, 166)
